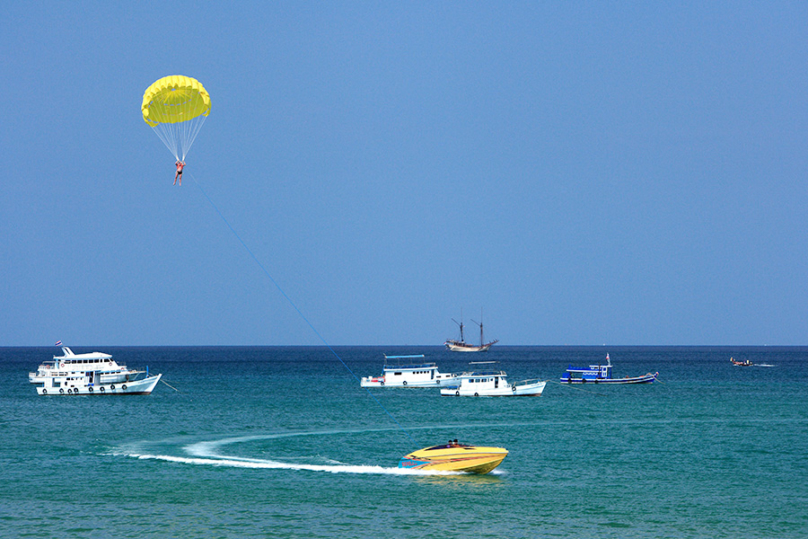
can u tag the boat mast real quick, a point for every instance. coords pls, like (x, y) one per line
(480, 323)
(462, 338)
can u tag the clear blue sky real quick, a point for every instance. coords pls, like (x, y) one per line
(584, 172)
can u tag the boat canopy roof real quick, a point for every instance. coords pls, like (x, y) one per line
(483, 373)
(591, 368)
(407, 362)
(68, 354)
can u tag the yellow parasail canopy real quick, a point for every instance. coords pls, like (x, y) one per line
(174, 99)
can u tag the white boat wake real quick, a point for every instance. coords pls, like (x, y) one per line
(207, 453)
(235, 462)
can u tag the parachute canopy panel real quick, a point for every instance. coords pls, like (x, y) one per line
(176, 107)
(175, 99)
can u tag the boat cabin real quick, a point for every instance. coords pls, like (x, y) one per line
(412, 371)
(480, 381)
(591, 374)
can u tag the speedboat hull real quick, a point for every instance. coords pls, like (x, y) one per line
(455, 458)
(746, 363)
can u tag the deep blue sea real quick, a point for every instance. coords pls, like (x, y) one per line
(282, 442)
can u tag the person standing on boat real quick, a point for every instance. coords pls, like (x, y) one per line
(178, 175)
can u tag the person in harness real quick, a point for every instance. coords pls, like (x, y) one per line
(178, 175)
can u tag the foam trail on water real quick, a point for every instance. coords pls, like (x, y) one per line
(236, 462)
(207, 453)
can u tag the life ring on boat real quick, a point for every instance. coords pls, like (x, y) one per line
(476, 394)
(405, 382)
(102, 389)
(69, 391)
(123, 387)
(457, 393)
(90, 389)
(62, 391)
(44, 391)
(112, 386)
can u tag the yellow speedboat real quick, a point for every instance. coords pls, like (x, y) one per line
(455, 457)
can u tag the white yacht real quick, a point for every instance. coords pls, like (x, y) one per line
(408, 371)
(90, 374)
(491, 383)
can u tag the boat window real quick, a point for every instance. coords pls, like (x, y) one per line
(397, 373)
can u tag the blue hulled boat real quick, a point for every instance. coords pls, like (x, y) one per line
(602, 374)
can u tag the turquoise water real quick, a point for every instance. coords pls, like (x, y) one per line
(282, 442)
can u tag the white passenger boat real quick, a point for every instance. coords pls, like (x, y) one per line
(408, 371)
(90, 374)
(491, 384)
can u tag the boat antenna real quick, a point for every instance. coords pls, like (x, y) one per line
(294, 306)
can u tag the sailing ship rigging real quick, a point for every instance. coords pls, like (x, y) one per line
(462, 345)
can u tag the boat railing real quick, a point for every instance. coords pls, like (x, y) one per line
(532, 381)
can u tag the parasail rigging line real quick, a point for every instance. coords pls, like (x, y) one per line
(295, 307)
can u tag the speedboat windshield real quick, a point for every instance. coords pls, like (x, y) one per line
(446, 446)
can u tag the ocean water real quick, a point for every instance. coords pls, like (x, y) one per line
(282, 442)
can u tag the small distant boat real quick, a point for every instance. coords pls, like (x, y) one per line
(90, 374)
(737, 363)
(491, 383)
(602, 374)
(408, 371)
(455, 457)
(462, 345)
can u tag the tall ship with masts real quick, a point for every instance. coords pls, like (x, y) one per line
(462, 345)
